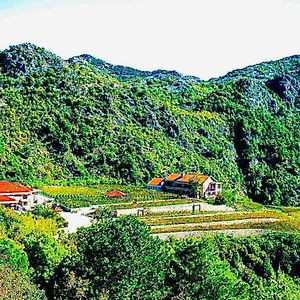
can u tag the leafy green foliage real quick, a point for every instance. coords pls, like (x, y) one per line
(118, 258)
(30, 245)
(17, 286)
(266, 263)
(196, 272)
(44, 254)
(14, 255)
(48, 213)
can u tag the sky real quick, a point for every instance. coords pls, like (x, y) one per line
(204, 38)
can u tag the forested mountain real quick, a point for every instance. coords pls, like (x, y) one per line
(87, 118)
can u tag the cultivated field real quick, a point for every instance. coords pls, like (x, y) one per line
(78, 196)
(170, 215)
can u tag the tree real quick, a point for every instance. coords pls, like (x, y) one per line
(44, 254)
(13, 254)
(197, 272)
(16, 286)
(117, 258)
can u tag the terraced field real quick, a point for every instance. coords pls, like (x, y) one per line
(215, 219)
(78, 196)
(168, 215)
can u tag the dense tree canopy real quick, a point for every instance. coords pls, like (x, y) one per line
(28, 247)
(197, 272)
(118, 259)
(12, 254)
(17, 286)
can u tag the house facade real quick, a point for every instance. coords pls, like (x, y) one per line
(15, 194)
(190, 184)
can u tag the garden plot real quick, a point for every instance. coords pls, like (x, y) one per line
(78, 196)
(189, 234)
(247, 223)
(188, 207)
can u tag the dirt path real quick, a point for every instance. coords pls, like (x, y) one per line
(75, 221)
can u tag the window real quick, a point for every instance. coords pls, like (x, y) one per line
(25, 196)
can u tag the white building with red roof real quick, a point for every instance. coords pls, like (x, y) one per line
(13, 193)
(194, 184)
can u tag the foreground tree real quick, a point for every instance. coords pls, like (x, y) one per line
(17, 286)
(197, 272)
(117, 259)
(13, 255)
(44, 254)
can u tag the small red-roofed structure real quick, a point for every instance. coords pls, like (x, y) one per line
(115, 194)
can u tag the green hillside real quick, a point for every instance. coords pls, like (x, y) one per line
(86, 118)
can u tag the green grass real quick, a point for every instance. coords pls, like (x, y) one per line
(244, 203)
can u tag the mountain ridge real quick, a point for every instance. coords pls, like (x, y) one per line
(108, 67)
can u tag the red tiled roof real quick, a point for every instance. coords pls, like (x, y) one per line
(187, 178)
(115, 193)
(173, 176)
(7, 200)
(7, 187)
(193, 177)
(155, 181)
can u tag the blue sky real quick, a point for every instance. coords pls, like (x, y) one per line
(206, 38)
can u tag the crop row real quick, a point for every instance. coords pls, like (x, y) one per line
(154, 203)
(110, 199)
(211, 218)
(100, 190)
(265, 224)
(83, 201)
(176, 213)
